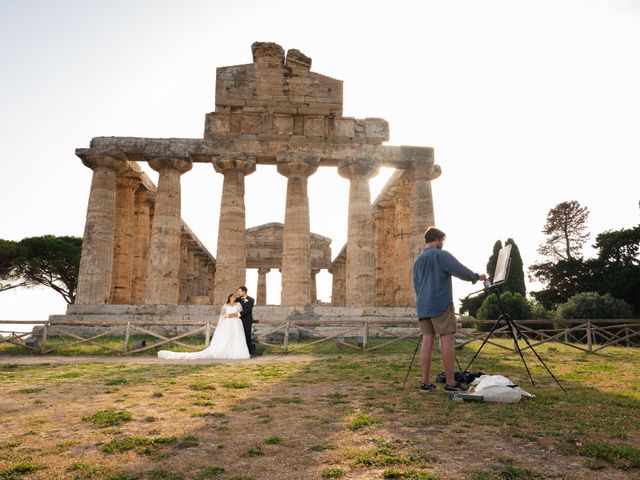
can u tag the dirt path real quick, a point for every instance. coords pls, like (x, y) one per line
(70, 360)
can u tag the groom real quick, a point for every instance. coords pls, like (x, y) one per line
(246, 316)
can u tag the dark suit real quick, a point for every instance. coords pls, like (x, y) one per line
(247, 320)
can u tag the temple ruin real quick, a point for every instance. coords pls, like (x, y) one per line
(137, 251)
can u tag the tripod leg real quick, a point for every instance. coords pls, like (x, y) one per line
(513, 329)
(537, 356)
(493, 329)
(412, 360)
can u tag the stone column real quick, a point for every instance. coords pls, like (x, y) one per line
(389, 253)
(211, 278)
(231, 257)
(184, 274)
(379, 234)
(164, 251)
(360, 280)
(144, 202)
(314, 291)
(421, 201)
(261, 291)
(121, 291)
(96, 262)
(338, 284)
(201, 277)
(296, 240)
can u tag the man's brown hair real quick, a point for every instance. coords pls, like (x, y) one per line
(432, 234)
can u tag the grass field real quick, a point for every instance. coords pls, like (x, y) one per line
(328, 413)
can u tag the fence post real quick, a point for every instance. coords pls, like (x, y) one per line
(44, 337)
(207, 333)
(286, 336)
(365, 336)
(126, 337)
(589, 336)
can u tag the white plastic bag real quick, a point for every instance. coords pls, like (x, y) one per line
(496, 388)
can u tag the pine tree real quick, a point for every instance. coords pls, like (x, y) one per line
(566, 231)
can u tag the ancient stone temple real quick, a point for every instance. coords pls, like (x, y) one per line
(273, 111)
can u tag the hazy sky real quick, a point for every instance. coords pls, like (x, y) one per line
(526, 103)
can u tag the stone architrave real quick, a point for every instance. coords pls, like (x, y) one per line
(96, 262)
(360, 266)
(164, 251)
(231, 261)
(121, 291)
(144, 202)
(261, 291)
(296, 242)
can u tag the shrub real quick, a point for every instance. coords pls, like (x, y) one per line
(514, 304)
(467, 321)
(539, 312)
(591, 305)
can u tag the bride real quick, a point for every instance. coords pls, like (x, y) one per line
(228, 339)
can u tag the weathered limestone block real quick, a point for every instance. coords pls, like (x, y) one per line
(296, 248)
(96, 262)
(403, 280)
(345, 127)
(218, 122)
(376, 129)
(200, 300)
(360, 265)
(231, 262)
(251, 123)
(283, 124)
(314, 126)
(276, 83)
(164, 251)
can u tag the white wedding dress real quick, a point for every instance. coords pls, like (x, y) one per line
(228, 339)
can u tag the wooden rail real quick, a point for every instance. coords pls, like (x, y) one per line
(585, 335)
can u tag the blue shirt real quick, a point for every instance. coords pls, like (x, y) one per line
(432, 272)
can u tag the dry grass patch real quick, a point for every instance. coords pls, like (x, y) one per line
(332, 413)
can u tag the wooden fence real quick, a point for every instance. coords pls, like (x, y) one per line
(585, 335)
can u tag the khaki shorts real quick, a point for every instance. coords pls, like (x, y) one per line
(445, 323)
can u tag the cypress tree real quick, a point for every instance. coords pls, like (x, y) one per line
(515, 278)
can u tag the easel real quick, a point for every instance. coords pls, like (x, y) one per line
(500, 276)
